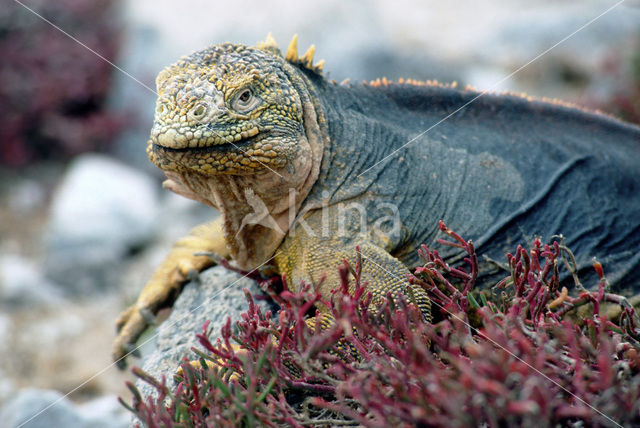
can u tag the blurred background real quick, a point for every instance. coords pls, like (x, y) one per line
(83, 219)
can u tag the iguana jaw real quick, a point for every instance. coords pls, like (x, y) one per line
(203, 137)
(223, 142)
(253, 150)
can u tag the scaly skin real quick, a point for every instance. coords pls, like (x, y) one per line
(266, 138)
(232, 118)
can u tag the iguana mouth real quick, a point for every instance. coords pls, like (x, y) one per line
(251, 152)
(219, 147)
(202, 139)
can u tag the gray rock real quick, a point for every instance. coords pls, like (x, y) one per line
(40, 408)
(101, 210)
(218, 296)
(22, 283)
(104, 412)
(36, 408)
(27, 195)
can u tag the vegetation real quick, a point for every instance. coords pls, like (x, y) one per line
(527, 360)
(54, 91)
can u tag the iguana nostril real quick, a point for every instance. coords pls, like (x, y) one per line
(198, 111)
(161, 108)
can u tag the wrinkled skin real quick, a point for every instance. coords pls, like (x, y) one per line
(284, 155)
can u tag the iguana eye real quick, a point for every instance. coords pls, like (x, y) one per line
(245, 96)
(245, 101)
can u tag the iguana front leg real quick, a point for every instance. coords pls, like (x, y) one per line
(307, 258)
(166, 283)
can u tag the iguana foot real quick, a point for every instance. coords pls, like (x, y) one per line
(203, 247)
(160, 292)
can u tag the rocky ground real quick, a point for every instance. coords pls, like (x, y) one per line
(77, 245)
(78, 241)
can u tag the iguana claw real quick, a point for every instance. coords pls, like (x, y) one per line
(193, 276)
(130, 325)
(148, 316)
(123, 317)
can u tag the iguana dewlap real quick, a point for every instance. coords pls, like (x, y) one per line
(303, 170)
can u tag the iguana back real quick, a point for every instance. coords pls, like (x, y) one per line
(501, 170)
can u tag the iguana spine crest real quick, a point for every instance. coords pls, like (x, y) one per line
(304, 61)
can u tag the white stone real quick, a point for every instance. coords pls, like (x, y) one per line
(104, 202)
(101, 210)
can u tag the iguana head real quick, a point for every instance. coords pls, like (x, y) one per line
(237, 125)
(228, 109)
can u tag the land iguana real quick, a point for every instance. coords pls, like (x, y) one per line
(303, 170)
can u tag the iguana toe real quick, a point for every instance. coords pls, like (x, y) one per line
(148, 316)
(123, 317)
(131, 324)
